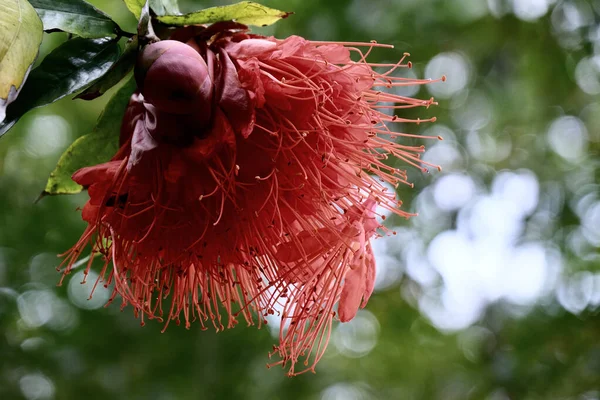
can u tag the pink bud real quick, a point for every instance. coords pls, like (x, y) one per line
(174, 78)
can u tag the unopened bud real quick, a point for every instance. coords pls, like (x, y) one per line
(174, 78)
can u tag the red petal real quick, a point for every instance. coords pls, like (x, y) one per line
(352, 292)
(98, 173)
(370, 277)
(234, 100)
(250, 48)
(142, 141)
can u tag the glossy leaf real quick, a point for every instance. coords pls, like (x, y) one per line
(75, 16)
(246, 12)
(94, 148)
(20, 37)
(160, 7)
(69, 68)
(114, 75)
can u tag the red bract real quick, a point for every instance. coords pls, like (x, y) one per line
(261, 198)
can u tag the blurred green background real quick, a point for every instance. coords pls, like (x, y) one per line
(493, 292)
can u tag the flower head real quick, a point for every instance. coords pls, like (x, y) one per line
(247, 183)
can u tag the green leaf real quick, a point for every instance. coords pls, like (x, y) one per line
(69, 68)
(20, 37)
(164, 7)
(94, 148)
(160, 7)
(75, 16)
(135, 6)
(114, 74)
(246, 12)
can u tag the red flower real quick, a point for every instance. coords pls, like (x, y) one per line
(247, 182)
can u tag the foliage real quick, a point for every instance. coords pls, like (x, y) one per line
(76, 17)
(94, 148)
(245, 12)
(20, 36)
(69, 68)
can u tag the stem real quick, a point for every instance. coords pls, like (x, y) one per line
(146, 33)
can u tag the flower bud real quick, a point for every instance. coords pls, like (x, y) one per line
(174, 78)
